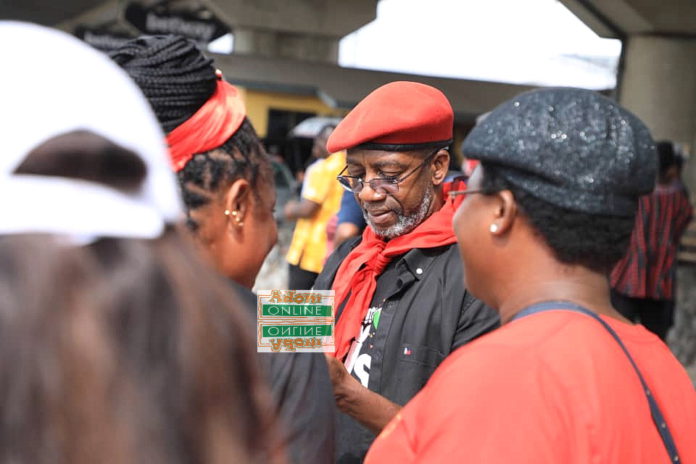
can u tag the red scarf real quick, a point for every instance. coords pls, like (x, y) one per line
(209, 127)
(375, 254)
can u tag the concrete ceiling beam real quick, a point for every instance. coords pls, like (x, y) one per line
(335, 18)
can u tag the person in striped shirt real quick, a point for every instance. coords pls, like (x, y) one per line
(643, 282)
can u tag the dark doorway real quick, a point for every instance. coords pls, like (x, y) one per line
(295, 151)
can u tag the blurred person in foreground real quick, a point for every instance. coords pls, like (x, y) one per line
(117, 343)
(321, 198)
(644, 281)
(566, 379)
(401, 307)
(226, 180)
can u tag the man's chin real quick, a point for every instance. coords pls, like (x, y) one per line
(381, 232)
(390, 232)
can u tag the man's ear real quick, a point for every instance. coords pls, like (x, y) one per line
(440, 166)
(505, 214)
(238, 202)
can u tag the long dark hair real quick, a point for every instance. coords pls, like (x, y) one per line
(123, 350)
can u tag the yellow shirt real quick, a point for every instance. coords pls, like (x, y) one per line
(308, 247)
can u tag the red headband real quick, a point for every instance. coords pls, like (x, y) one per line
(209, 127)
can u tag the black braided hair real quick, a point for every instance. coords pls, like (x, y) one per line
(173, 74)
(177, 80)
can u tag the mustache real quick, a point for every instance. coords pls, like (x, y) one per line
(377, 211)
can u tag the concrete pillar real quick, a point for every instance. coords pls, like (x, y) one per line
(682, 337)
(299, 29)
(265, 42)
(659, 85)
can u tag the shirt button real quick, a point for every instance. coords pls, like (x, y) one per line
(419, 271)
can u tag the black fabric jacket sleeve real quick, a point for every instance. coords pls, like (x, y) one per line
(303, 397)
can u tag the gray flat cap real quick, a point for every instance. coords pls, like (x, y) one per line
(570, 147)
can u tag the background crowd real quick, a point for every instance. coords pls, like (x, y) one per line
(487, 319)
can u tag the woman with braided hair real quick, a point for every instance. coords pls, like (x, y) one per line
(227, 186)
(225, 175)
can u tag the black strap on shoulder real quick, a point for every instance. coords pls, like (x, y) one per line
(657, 416)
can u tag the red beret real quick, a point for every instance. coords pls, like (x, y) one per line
(407, 115)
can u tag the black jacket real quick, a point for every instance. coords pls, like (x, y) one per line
(427, 313)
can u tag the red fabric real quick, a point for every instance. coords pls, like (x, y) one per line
(649, 267)
(209, 127)
(400, 113)
(469, 166)
(549, 388)
(358, 272)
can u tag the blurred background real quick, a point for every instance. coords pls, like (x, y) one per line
(304, 63)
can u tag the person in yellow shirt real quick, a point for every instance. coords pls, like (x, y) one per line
(321, 199)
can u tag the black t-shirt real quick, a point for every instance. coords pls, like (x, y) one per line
(363, 348)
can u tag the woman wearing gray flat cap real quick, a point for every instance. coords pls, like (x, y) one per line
(566, 379)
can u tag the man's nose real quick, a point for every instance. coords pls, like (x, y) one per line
(369, 194)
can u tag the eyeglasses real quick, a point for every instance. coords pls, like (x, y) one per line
(455, 193)
(383, 185)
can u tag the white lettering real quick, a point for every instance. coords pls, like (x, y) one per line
(362, 368)
(174, 25)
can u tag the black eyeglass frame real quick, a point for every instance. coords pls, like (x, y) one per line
(380, 183)
(455, 193)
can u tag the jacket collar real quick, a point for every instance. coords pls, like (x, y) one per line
(419, 260)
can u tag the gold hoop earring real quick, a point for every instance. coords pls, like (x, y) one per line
(235, 215)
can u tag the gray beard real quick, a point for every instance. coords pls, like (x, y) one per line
(405, 224)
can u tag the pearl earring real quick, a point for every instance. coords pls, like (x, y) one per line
(494, 228)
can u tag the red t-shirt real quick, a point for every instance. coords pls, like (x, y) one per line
(551, 387)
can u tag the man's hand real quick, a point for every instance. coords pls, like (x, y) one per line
(367, 407)
(337, 371)
(344, 384)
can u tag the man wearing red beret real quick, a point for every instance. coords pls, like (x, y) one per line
(401, 307)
